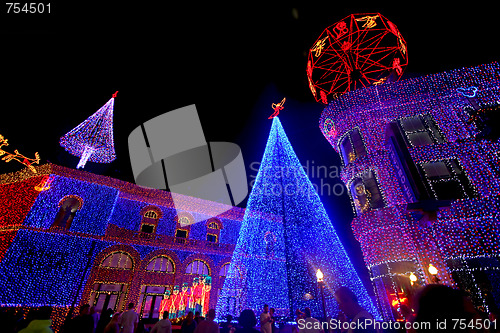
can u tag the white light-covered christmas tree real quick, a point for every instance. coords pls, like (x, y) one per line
(92, 140)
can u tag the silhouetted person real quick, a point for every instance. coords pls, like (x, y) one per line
(95, 316)
(83, 323)
(188, 325)
(141, 327)
(247, 322)
(113, 326)
(273, 322)
(298, 315)
(348, 303)
(198, 318)
(129, 320)
(309, 321)
(104, 320)
(208, 325)
(41, 322)
(163, 325)
(437, 303)
(226, 327)
(265, 320)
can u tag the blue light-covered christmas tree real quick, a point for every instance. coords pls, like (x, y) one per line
(285, 237)
(92, 140)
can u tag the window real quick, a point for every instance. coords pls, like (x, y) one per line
(184, 221)
(365, 192)
(151, 214)
(182, 227)
(212, 238)
(149, 221)
(447, 180)
(421, 130)
(352, 146)
(118, 260)
(150, 300)
(213, 225)
(161, 264)
(108, 296)
(181, 233)
(147, 228)
(69, 206)
(224, 269)
(197, 267)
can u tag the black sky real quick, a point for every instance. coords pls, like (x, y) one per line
(231, 61)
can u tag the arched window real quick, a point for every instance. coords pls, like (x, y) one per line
(224, 269)
(213, 230)
(68, 207)
(149, 221)
(183, 226)
(184, 221)
(118, 260)
(365, 192)
(161, 264)
(151, 214)
(352, 146)
(197, 267)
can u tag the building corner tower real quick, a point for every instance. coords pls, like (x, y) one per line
(421, 165)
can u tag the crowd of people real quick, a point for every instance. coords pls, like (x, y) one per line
(88, 321)
(434, 304)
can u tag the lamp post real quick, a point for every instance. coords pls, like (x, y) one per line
(321, 284)
(433, 271)
(413, 278)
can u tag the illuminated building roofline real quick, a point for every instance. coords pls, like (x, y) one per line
(130, 191)
(396, 98)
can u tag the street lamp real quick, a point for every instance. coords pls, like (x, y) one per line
(321, 283)
(319, 275)
(413, 278)
(433, 271)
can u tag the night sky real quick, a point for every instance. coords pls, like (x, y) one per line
(231, 61)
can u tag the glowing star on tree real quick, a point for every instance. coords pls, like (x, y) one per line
(92, 140)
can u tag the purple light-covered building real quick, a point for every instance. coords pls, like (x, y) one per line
(422, 168)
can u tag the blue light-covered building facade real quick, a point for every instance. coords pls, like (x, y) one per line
(421, 165)
(71, 237)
